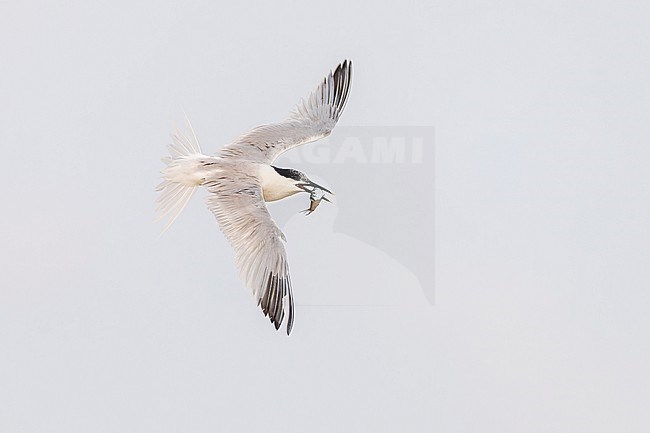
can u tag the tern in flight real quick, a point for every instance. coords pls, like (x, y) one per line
(241, 176)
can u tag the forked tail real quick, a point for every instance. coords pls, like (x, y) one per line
(180, 176)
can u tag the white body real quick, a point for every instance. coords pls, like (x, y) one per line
(195, 170)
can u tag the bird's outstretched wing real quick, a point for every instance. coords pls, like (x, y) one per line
(312, 119)
(237, 202)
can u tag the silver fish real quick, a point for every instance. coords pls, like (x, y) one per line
(315, 198)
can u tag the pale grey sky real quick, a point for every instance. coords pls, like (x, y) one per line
(542, 241)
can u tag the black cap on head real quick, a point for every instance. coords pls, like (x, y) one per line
(289, 172)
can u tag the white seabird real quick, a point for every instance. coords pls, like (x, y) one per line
(240, 177)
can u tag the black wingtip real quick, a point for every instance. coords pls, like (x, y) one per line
(276, 297)
(344, 66)
(342, 80)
